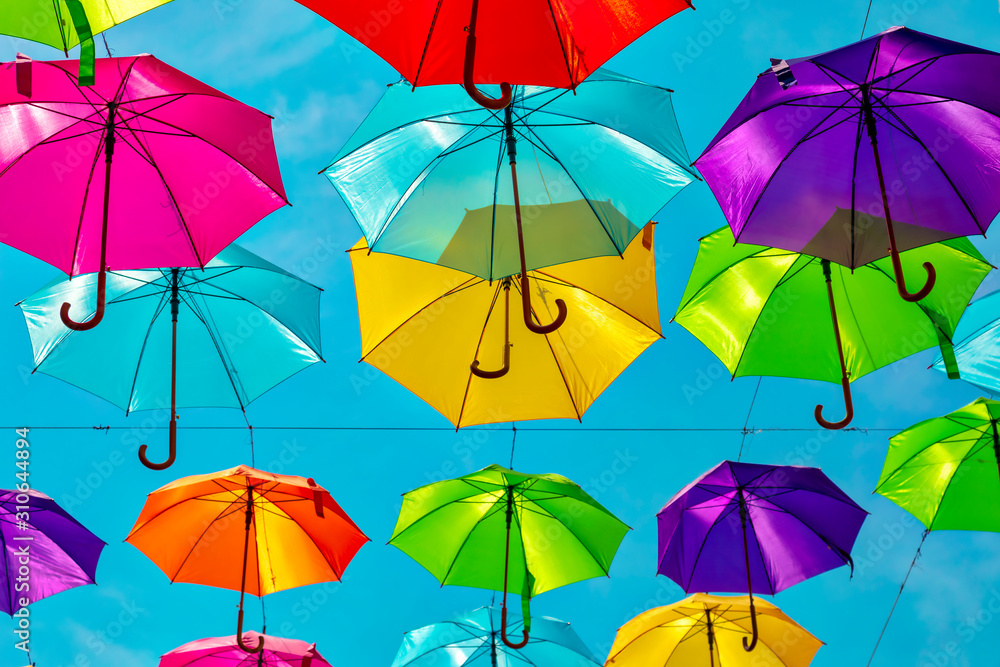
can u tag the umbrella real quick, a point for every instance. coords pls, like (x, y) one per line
(61, 554)
(64, 24)
(227, 652)
(977, 349)
(529, 42)
(192, 169)
(458, 528)
(422, 324)
(790, 171)
(704, 630)
(946, 471)
(423, 176)
(742, 527)
(287, 530)
(471, 640)
(241, 326)
(765, 311)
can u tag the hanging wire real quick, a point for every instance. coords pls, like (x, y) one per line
(106, 47)
(263, 616)
(513, 441)
(901, 586)
(253, 457)
(745, 431)
(866, 19)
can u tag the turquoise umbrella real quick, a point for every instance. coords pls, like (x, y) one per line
(473, 640)
(557, 176)
(240, 327)
(977, 345)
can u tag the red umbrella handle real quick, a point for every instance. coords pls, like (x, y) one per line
(492, 375)
(506, 94)
(506, 562)
(102, 281)
(744, 518)
(845, 378)
(172, 452)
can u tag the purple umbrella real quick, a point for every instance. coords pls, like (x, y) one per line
(745, 526)
(60, 553)
(790, 171)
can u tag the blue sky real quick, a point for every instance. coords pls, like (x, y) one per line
(319, 84)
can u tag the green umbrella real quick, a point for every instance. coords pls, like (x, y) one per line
(946, 471)
(63, 24)
(504, 530)
(764, 311)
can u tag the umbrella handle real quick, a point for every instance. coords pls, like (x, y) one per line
(172, 452)
(477, 95)
(526, 305)
(102, 281)
(503, 631)
(845, 378)
(239, 637)
(897, 269)
(493, 375)
(752, 644)
(848, 404)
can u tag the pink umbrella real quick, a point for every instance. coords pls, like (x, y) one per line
(186, 169)
(224, 652)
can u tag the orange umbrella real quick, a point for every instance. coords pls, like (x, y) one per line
(197, 527)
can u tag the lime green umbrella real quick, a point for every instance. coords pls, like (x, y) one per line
(764, 311)
(504, 530)
(63, 24)
(946, 471)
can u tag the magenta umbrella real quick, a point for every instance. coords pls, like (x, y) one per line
(881, 146)
(224, 652)
(147, 168)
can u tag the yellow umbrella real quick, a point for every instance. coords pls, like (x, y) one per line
(708, 631)
(430, 327)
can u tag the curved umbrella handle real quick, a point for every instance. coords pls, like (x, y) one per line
(506, 94)
(752, 644)
(172, 452)
(848, 404)
(897, 269)
(529, 322)
(98, 314)
(844, 376)
(493, 375)
(239, 637)
(503, 631)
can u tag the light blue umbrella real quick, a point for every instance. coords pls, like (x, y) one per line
(977, 346)
(239, 327)
(473, 640)
(426, 175)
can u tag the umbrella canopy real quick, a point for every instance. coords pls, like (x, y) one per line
(424, 176)
(54, 23)
(742, 527)
(472, 640)
(977, 345)
(528, 42)
(423, 324)
(705, 631)
(62, 554)
(503, 530)
(148, 168)
(946, 471)
(238, 328)
(226, 652)
(764, 311)
(288, 531)
(797, 166)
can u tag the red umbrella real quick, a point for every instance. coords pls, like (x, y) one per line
(555, 43)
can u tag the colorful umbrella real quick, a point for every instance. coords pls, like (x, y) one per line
(61, 554)
(63, 24)
(542, 43)
(192, 169)
(423, 176)
(471, 640)
(790, 171)
(246, 326)
(227, 652)
(704, 630)
(422, 324)
(764, 311)
(742, 527)
(288, 531)
(977, 345)
(458, 528)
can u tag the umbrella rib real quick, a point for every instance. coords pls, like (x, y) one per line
(427, 43)
(613, 305)
(223, 353)
(479, 345)
(562, 374)
(905, 463)
(579, 541)
(425, 515)
(725, 513)
(493, 217)
(844, 556)
(142, 350)
(492, 511)
(452, 151)
(562, 46)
